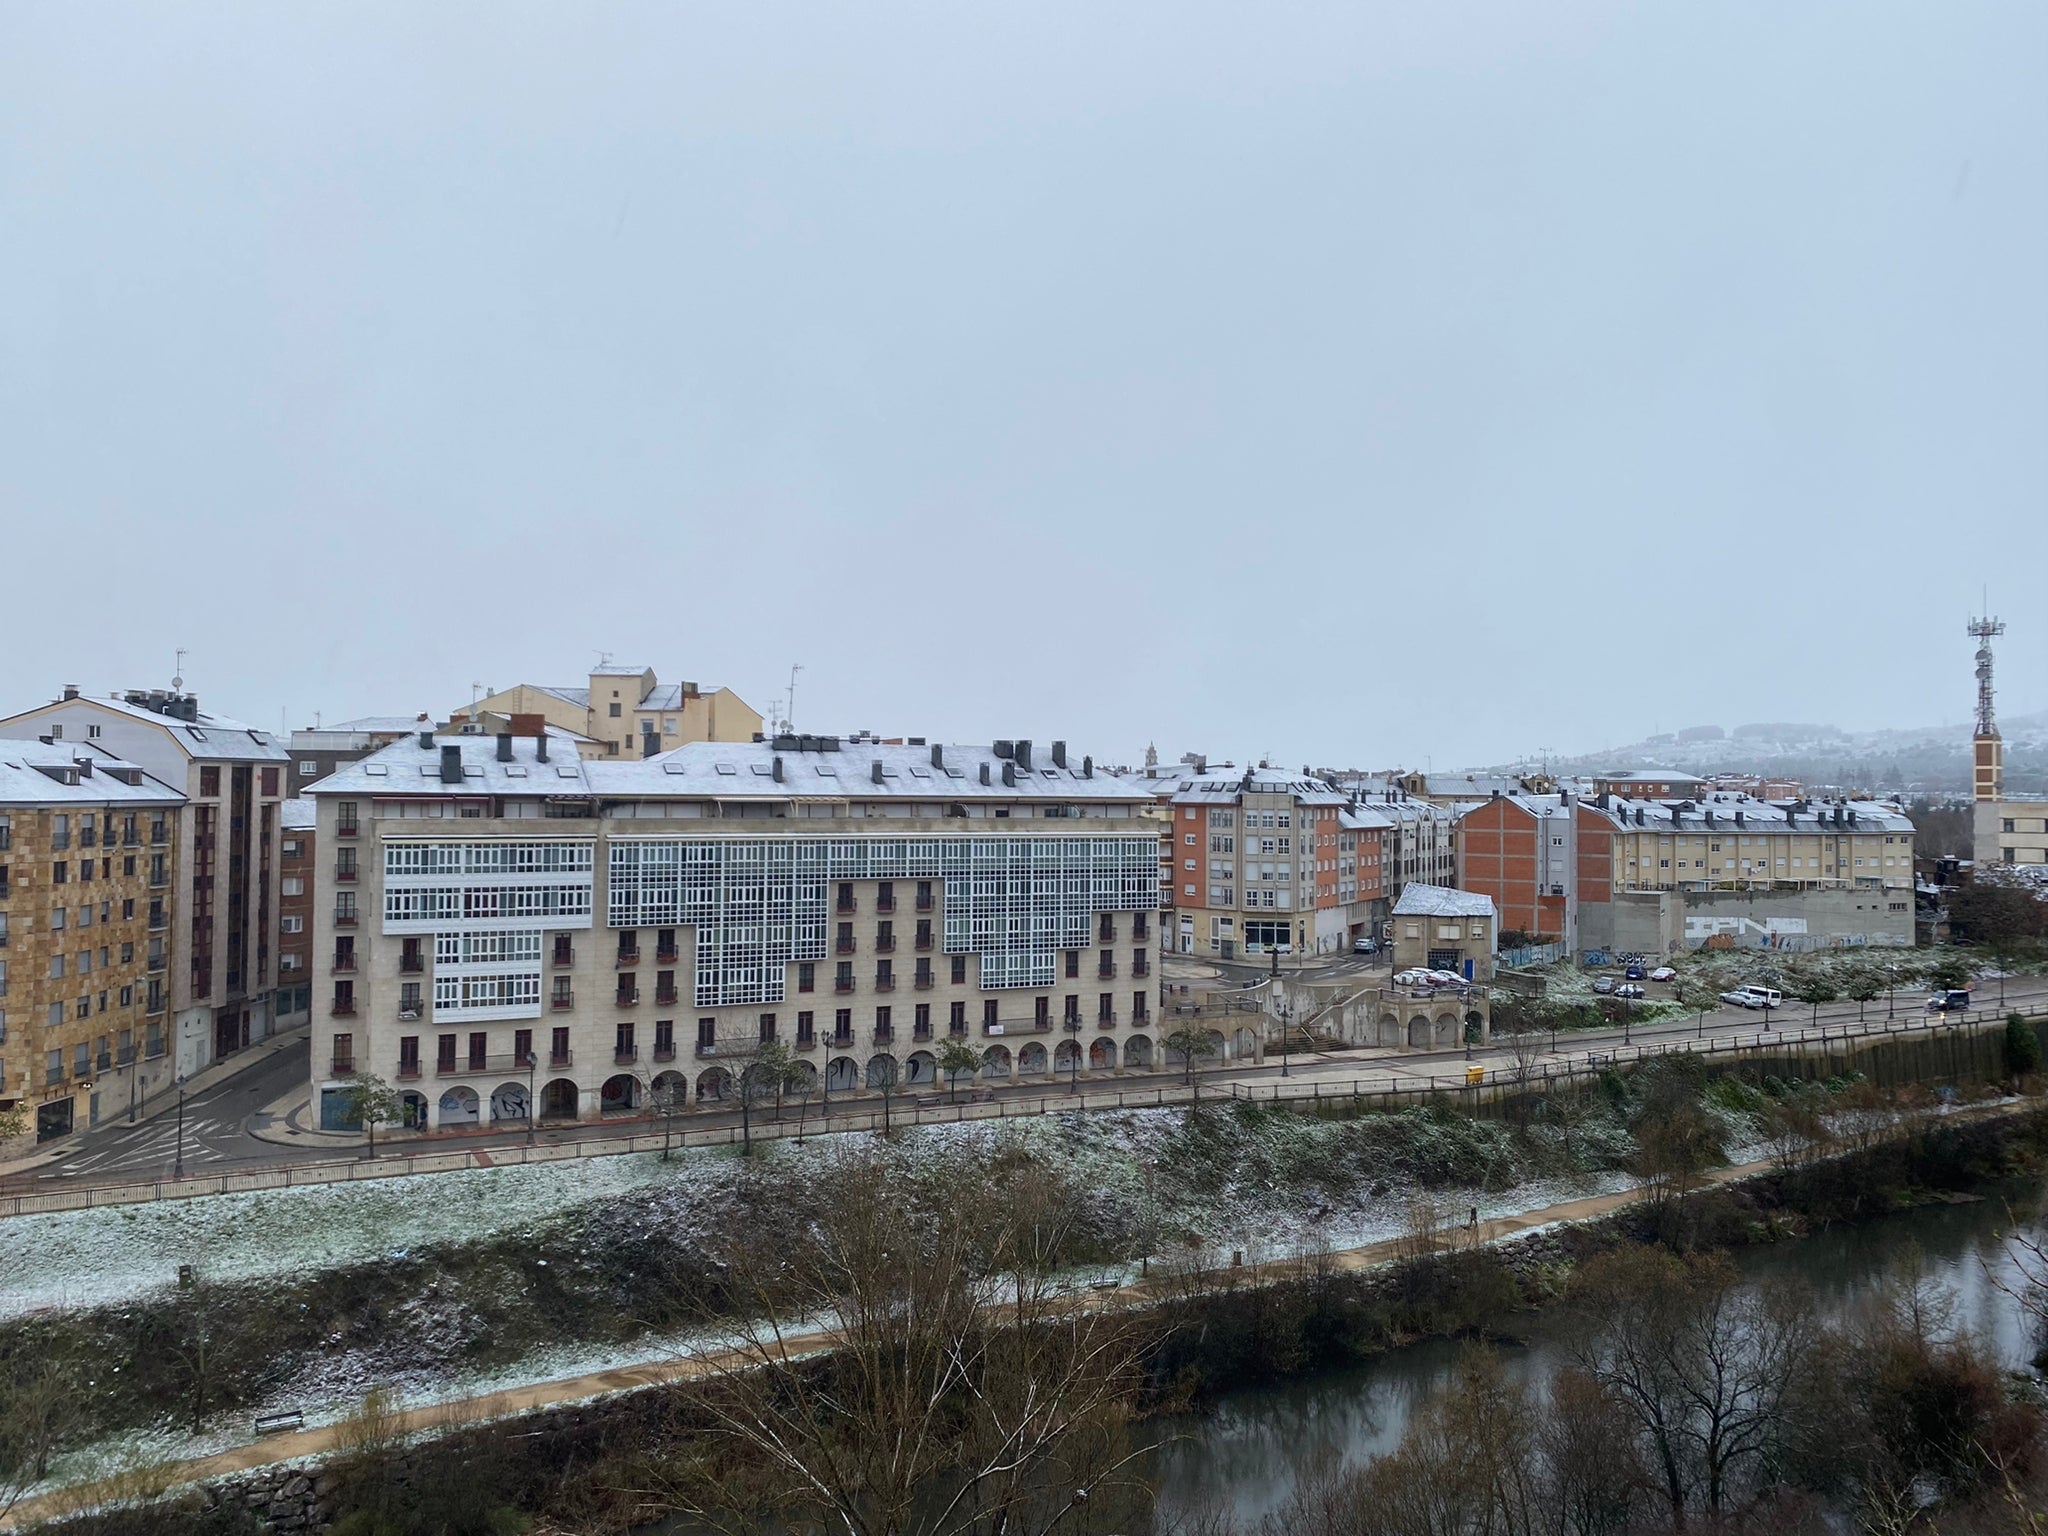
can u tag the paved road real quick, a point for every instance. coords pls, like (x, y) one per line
(214, 1135)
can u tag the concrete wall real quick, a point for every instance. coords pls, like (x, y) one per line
(1798, 919)
(1634, 922)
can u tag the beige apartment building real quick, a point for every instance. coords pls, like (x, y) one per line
(87, 868)
(224, 915)
(504, 926)
(622, 710)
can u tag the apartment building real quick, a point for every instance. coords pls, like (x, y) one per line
(502, 925)
(1263, 860)
(628, 712)
(1560, 867)
(87, 867)
(1421, 840)
(224, 920)
(317, 750)
(298, 874)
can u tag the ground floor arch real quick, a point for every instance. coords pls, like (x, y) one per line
(412, 1110)
(1244, 1046)
(714, 1085)
(1067, 1057)
(508, 1102)
(1102, 1054)
(921, 1070)
(842, 1075)
(669, 1090)
(1031, 1060)
(884, 1071)
(1138, 1053)
(620, 1095)
(558, 1100)
(803, 1079)
(995, 1061)
(459, 1106)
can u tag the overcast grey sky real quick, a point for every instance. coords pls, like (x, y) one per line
(1363, 382)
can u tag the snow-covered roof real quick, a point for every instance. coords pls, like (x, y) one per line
(1226, 786)
(296, 815)
(1782, 817)
(208, 737)
(405, 767)
(726, 771)
(1419, 900)
(857, 770)
(75, 773)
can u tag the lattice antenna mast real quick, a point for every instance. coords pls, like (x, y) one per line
(1984, 631)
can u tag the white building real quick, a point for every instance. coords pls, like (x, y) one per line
(498, 919)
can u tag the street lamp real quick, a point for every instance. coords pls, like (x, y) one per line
(532, 1104)
(178, 1162)
(1285, 1012)
(1073, 1027)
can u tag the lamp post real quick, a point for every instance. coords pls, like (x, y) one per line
(532, 1103)
(1073, 1028)
(178, 1159)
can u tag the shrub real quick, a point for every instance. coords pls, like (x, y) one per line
(2022, 1047)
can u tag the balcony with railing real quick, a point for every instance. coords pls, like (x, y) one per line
(564, 954)
(343, 1008)
(886, 983)
(348, 828)
(625, 1055)
(345, 962)
(159, 836)
(342, 1066)
(1018, 1027)
(664, 1053)
(1106, 1020)
(669, 956)
(412, 1012)
(925, 981)
(627, 997)
(629, 957)
(843, 946)
(665, 997)
(345, 873)
(842, 983)
(559, 1059)
(411, 965)
(344, 917)
(1106, 971)
(1141, 968)
(885, 943)
(563, 1000)
(408, 1068)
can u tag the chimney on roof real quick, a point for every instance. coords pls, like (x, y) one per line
(540, 747)
(504, 746)
(451, 763)
(70, 691)
(1741, 820)
(1010, 775)
(1059, 754)
(875, 771)
(650, 744)
(777, 769)
(1639, 815)
(1087, 767)
(984, 773)
(426, 741)
(1003, 748)
(1022, 755)
(938, 755)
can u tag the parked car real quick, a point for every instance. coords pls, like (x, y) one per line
(1629, 989)
(1755, 997)
(1635, 973)
(1411, 978)
(1665, 973)
(1365, 946)
(1603, 985)
(1446, 979)
(1955, 1000)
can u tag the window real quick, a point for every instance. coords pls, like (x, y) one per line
(292, 923)
(806, 976)
(956, 1018)
(923, 1025)
(308, 768)
(842, 1025)
(209, 781)
(612, 709)
(806, 1027)
(767, 1028)
(1073, 963)
(959, 970)
(988, 1012)
(884, 1028)
(1189, 839)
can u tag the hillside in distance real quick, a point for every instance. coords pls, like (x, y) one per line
(1929, 760)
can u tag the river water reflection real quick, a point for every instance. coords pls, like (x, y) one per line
(1245, 1455)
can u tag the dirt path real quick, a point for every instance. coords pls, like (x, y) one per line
(312, 1444)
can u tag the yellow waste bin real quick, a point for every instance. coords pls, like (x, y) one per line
(1474, 1076)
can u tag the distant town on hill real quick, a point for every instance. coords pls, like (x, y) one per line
(1931, 760)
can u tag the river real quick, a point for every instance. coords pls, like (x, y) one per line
(1244, 1455)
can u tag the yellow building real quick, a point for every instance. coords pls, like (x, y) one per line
(621, 708)
(87, 873)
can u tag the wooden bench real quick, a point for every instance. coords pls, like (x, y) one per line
(280, 1423)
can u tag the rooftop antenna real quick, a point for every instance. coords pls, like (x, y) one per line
(178, 680)
(476, 694)
(604, 658)
(1984, 631)
(789, 708)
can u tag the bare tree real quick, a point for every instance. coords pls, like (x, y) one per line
(38, 1409)
(914, 1370)
(1702, 1365)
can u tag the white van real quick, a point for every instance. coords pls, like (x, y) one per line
(1755, 997)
